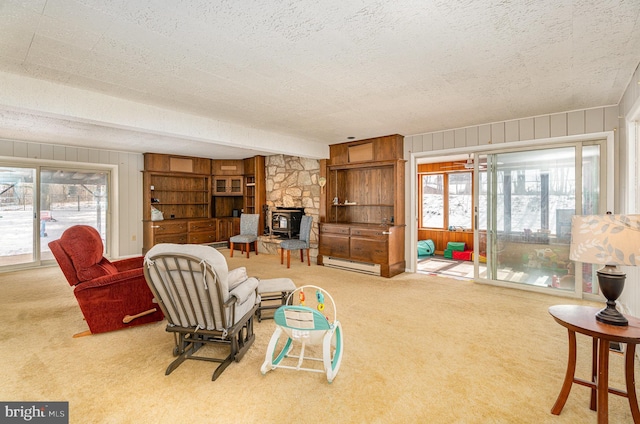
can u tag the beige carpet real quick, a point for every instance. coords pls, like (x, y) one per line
(418, 349)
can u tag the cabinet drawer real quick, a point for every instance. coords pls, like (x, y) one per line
(369, 250)
(334, 229)
(334, 245)
(369, 233)
(196, 226)
(202, 237)
(171, 238)
(168, 227)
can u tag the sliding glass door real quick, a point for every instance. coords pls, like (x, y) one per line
(71, 197)
(38, 203)
(526, 201)
(17, 219)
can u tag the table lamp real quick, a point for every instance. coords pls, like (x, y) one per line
(610, 240)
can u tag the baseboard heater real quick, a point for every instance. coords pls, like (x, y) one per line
(364, 267)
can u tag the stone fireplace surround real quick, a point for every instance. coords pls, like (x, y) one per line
(292, 181)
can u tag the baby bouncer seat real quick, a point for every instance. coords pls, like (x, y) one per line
(308, 319)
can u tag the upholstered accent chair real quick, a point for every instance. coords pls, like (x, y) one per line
(248, 233)
(301, 243)
(111, 295)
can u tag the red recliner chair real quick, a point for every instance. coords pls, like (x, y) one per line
(111, 295)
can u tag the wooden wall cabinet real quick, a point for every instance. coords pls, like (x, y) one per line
(180, 231)
(167, 231)
(369, 243)
(199, 197)
(202, 231)
(228, 185)
(255, 194)
(176, 195)
(227, 167)
(181, 197)
(363, 215)
(228, 227)
(173, 163)
(377, 149)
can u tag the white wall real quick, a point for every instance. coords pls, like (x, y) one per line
(127, 219)
(630, 110)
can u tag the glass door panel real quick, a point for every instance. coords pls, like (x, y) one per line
(526, 200)
(71, 197)
(590, 206)
(17, 215)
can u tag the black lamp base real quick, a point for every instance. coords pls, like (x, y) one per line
(611, 282)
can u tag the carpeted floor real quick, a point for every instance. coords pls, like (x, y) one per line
(418, 349)
(460, 270)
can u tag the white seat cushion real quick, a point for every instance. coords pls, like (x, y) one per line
(275, 285)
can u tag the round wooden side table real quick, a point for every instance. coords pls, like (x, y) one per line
(582, 319)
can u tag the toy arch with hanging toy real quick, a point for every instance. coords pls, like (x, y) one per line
(305, 326)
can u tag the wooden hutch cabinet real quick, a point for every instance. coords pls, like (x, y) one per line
(363, 215)
(227, 186)
(255, 195)
(179, 187)
(185, 190)
(227, 177)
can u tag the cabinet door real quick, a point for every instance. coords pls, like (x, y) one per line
(335, 245)
(235, 226)
(228, 186)
(369, 245)
(234, 186)
(220, 186)
(225, 229)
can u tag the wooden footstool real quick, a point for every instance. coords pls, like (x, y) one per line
(274, 291)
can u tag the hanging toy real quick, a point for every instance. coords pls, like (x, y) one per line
(320, 299)
(301, 297)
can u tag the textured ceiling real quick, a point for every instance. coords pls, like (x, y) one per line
(317, 71)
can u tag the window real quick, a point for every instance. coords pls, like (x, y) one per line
(38, 203)
(460, 200)
(447, 200)
(432, 201)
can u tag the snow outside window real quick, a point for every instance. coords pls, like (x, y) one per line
(447, 200)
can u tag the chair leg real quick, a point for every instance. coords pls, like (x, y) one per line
(281, 256)
(302, 255)
(231, 245)
(288, 258)
(255, 247)
(308, 258)
(246, 246)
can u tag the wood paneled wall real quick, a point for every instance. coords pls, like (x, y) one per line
(441, 237)
(443, 167)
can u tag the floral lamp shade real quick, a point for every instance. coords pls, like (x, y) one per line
(611, 240)
(606, 239)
